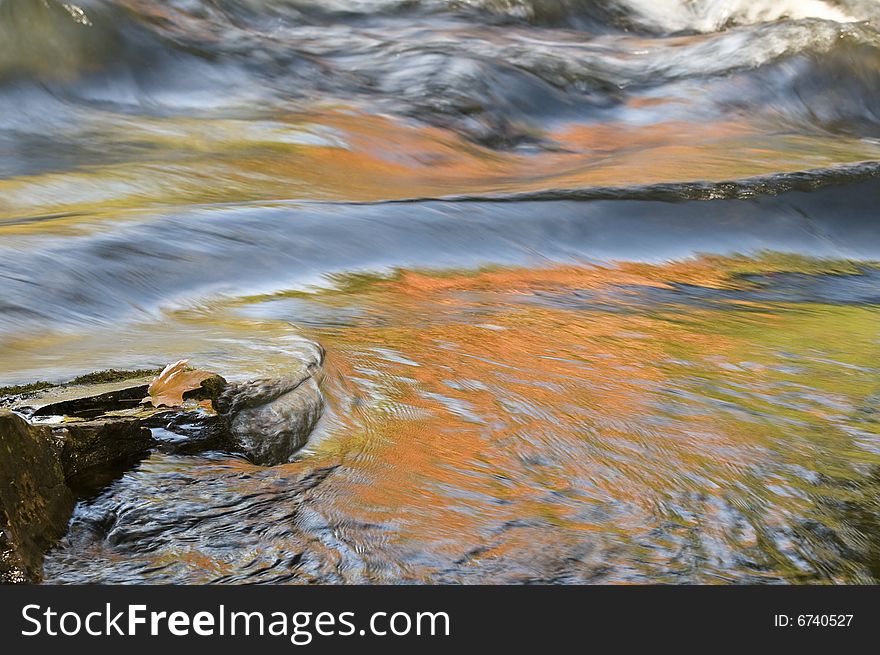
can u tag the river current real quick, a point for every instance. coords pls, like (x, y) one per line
(598, 282)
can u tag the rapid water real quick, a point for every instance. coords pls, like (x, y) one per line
(597, 281)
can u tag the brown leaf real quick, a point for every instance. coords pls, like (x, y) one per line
(168, 387)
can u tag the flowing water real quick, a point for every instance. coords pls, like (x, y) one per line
(598, 281)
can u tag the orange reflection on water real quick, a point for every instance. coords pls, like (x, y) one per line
(478, 433)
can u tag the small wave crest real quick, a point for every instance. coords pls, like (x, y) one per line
(746, 188)
(157, 261)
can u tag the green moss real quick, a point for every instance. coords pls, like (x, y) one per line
(98, 377)
(17, 389)
(114, 375)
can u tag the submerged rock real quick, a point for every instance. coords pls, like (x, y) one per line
(269, 420)
(190, 432)
(35, 501)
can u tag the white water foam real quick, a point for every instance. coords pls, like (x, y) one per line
(714, 15)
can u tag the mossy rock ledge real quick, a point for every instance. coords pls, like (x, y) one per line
(58, 444)
(35, 501)
(65, 442)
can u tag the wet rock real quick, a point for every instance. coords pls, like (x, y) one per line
(269, 420)
(95, 405)
(88, 447)
(21, 394)
(85, 401)
(190, 432)
(210, 389)
(35, 502)
(76, 440)
(102, 428)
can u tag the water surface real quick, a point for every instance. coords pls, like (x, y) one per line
(597, 281)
